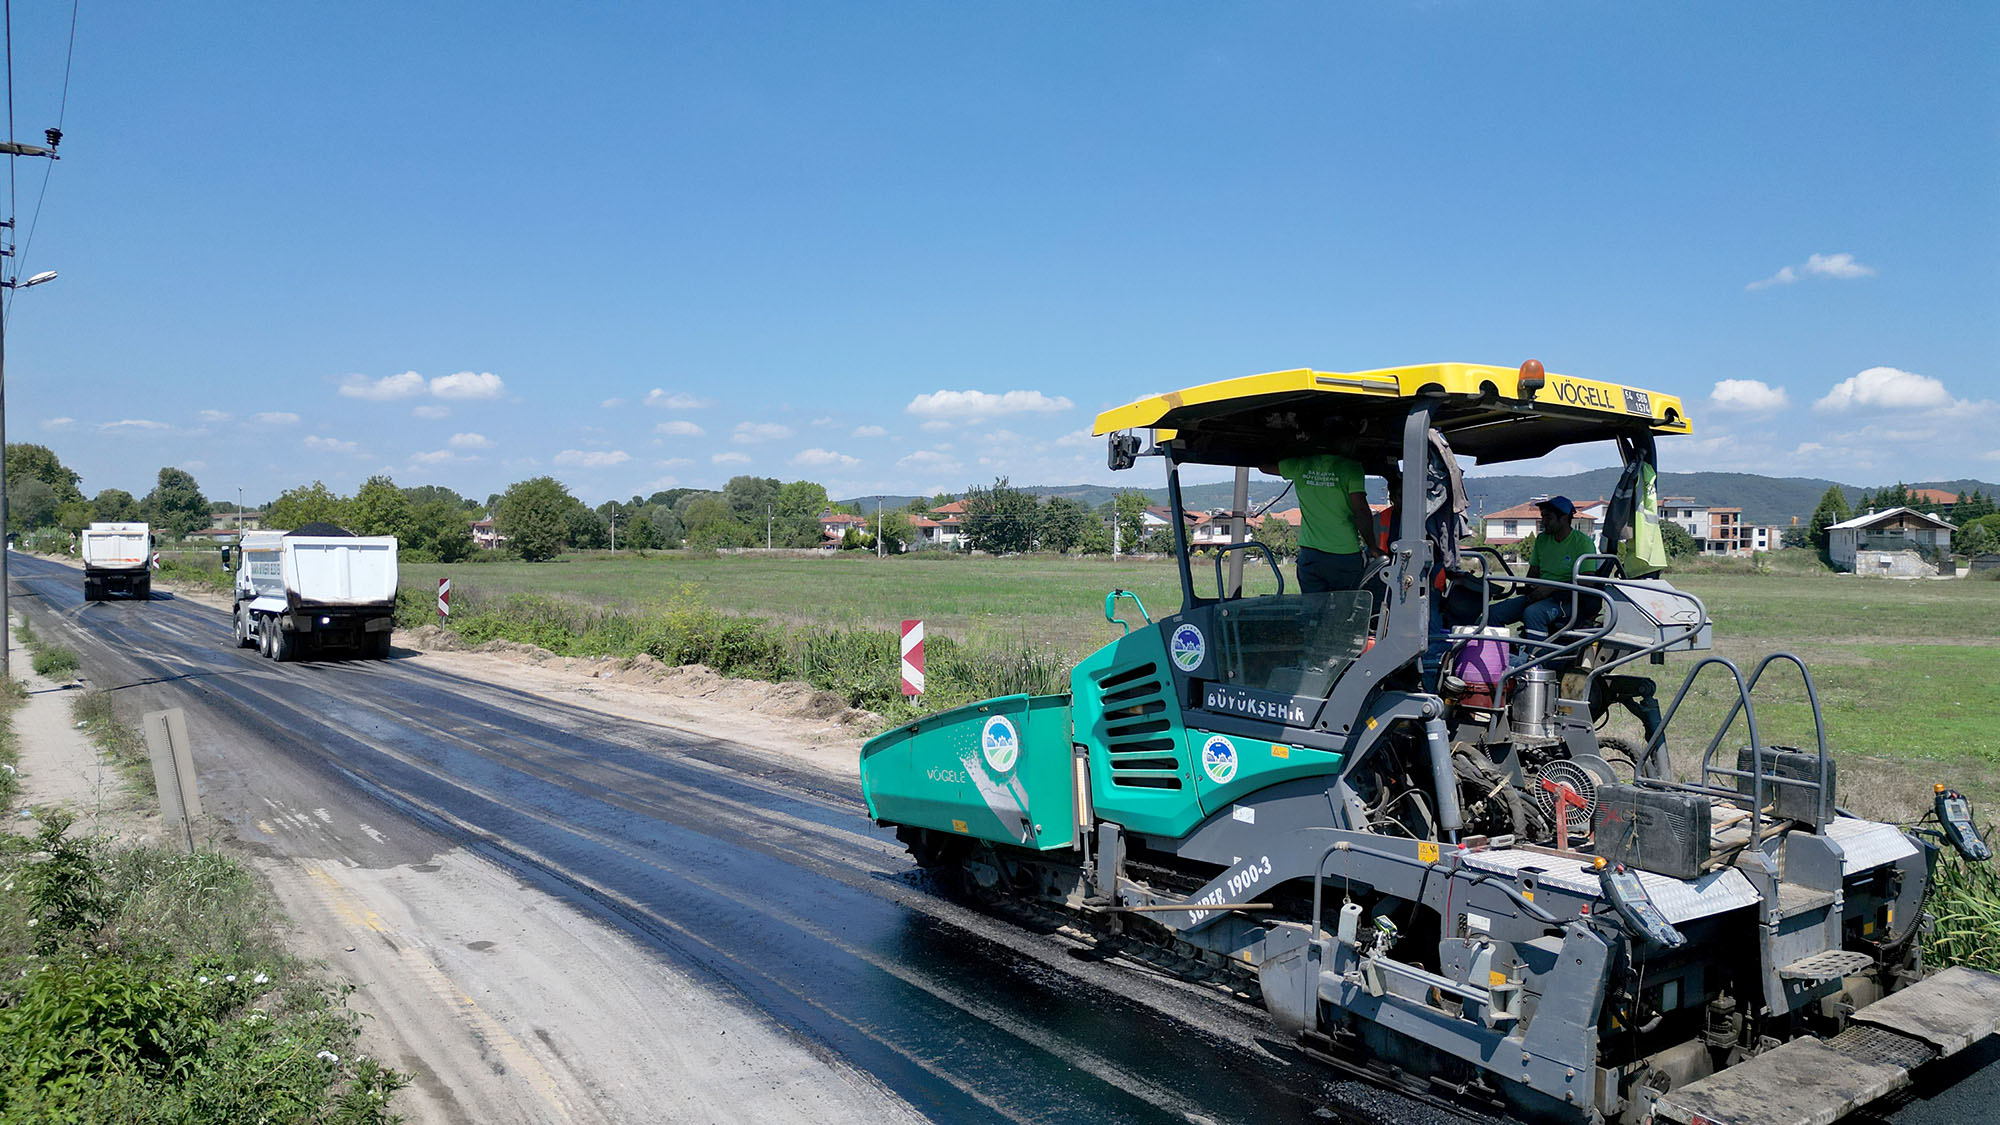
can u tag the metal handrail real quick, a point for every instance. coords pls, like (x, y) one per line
(1819, 732)
(1749, 719)
(1245, 545)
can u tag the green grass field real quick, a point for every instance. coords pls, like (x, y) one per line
(1908, 672)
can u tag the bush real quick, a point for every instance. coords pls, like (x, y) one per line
(1965, 900)
(144, 986)
(56, 663)
(862, 665)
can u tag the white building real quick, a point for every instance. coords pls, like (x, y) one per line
(1888, 543)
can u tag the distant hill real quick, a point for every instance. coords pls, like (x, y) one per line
(1764, 500)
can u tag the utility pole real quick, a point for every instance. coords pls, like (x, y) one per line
(613, 521)
(767, 527)
(878, 529)
(10, 148)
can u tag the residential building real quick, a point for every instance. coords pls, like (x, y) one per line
(1726, 534)
(1892, 543)
(833, 526)
(946, 528)
(1943, 502)
(485, 536)
(1685, 511)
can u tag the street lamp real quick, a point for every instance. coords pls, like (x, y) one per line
(7, 622)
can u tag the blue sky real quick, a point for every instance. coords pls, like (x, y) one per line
(908, 247)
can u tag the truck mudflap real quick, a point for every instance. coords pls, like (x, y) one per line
(1816, 1081)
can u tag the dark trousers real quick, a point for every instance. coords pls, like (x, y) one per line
(1321, 572)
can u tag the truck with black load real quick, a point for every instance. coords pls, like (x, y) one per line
(318, 590)
(1428, 859)
(117, 559)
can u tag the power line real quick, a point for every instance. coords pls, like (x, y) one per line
(54, 137)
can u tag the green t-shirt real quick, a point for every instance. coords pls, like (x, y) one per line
(1324, 482)
(1556, 558)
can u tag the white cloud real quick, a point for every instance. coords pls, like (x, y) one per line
(330, 445)
(1078, 438)
(1840, 267)
(1809, 449)
(438, 457)
(730, 458)
(674, 462)
(1748, 394)
(468, 384)
(673, 400)
(612, 403)
(1990, 455)
(592, 459)
(432, 411)
(823, 457)
(193, 466)
(386, 389)
(1783, 277)
(62, 423)
(869, 432)
(1885, 388)
(216, 416)
(929, 461)
(822, 421)
(935, 426)
(750, 432)
(966, 405)
(660, 484)
(680, 427)
(133, 424)
(470, 441)
(276, 418)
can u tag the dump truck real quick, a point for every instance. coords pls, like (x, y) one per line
(117, 559)
(1428, 859)
(319, 590)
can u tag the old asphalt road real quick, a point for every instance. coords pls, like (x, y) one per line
(577, 917)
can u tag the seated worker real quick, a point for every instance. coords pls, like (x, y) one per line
(1542, 611)
(1335, 543)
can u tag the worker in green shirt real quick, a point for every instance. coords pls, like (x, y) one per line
(1543, 611)
(1334, 548)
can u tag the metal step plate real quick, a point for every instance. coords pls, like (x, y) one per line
(1827, 965)
(1950, 1010)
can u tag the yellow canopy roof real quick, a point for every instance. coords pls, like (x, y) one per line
(1483, 411)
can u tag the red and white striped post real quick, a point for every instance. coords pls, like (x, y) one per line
(444, 599)
(154, 562)
(913, 658)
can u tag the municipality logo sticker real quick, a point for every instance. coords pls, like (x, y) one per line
(1218, 759)
(1000, 744)
(1188, 647)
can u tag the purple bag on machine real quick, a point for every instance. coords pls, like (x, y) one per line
(1482, 664)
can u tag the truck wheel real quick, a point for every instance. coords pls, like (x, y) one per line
(264, 631)
(144, 590)
(377, 647)
(284, 646)
(243, 637)
(90, 591)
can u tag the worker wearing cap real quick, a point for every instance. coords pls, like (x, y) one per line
(1542, 610)
(1334, 547)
